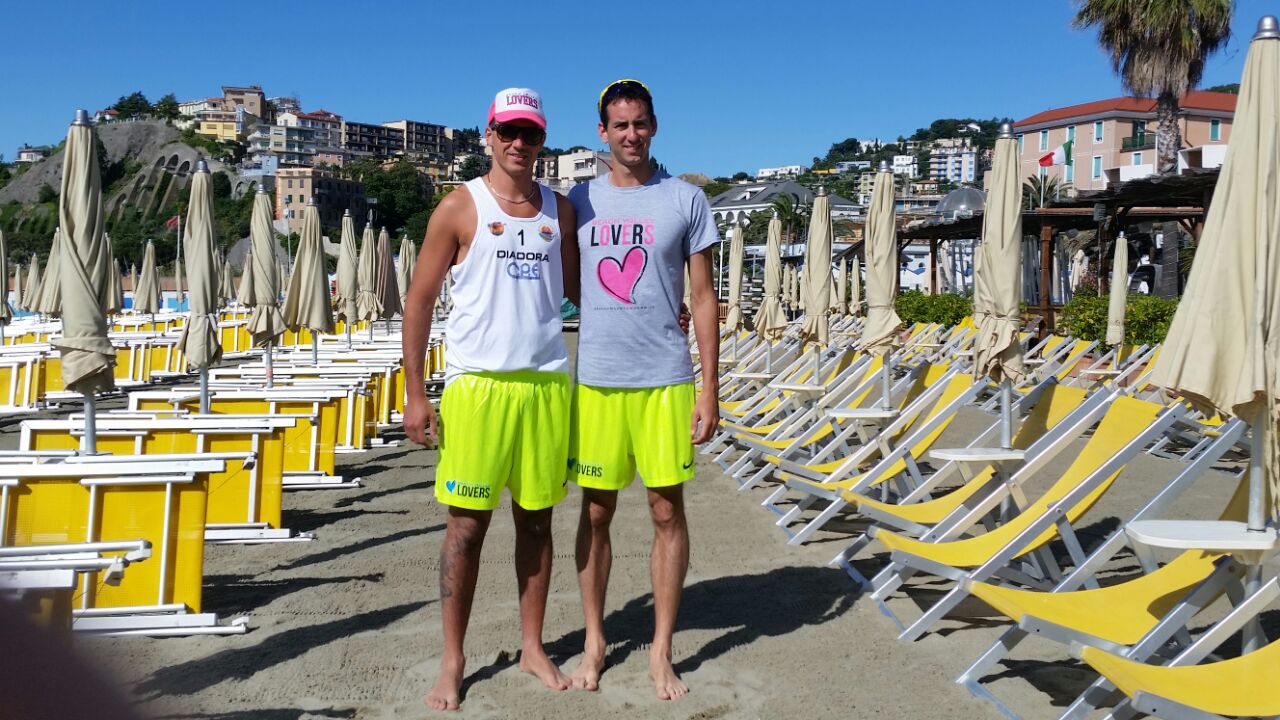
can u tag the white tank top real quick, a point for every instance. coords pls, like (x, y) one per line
(507, 292)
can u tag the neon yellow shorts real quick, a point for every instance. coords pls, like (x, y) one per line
(504, 429)
(616, 432)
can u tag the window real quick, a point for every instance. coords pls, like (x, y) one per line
(1044, 139)
(1215, 130)
(1097, 133)
(1137, 159)
(1070, 173)
(1097, 166)
(290, 183)
(1019, 144)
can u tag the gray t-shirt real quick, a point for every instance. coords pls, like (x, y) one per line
(634, 243)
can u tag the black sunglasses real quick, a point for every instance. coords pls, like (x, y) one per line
(530, 134)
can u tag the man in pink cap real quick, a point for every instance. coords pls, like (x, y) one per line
(506, 397)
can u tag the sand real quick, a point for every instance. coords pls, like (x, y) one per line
(347, 626)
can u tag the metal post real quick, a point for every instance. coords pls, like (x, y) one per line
(817, 364)
(204, 391)
(1258, 471)
(886, 382)
(315, 348)
(89, 443)
(266, 360)
(768, 356)
(1006, 413)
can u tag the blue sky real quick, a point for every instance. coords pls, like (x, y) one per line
(737, 86)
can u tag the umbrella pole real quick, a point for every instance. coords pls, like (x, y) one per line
(89, 444)
(817, 363)
(768, 357)
(1006, 414)
(266, 360)
(347, 326)
(371, 331)
(1253, 638)
(886, 382)
(204, 391)
(315, 349)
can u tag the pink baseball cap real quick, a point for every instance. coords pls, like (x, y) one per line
(518, 104)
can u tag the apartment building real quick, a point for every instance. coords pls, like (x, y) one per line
(953, 160)
(779, 173)
(581, 166)
(249, 97)
(422, 140)
(1113, 140)
(372, 140)
(325, 127)
(334, 195)
(905, 165)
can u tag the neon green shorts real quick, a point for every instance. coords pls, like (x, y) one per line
(504, 429)
(616, 432)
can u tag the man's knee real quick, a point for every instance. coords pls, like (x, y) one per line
(533, 523)
(466, 530)
(666, 508)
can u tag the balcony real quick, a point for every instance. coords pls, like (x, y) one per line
(1140, 141)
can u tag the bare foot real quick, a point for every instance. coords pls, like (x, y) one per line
(587, 676)
(445, 695)
(665, 681)
(534, 661)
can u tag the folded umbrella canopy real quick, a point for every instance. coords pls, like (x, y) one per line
(87, 356)
(306, 302)
(265, 322)
(880, 333)
(368, 308)
(842, 288)
(404, 271)
(199, 339)
(1223, 347)
(817, 273)
(31, 294)
(146, 298)
(771, 320)
(244, 293)
(226, 284)
(1119, 292)
(6, 314)
(50, 299)
(734, 322)
(855, 287)
(348, 260)
(997, 293)
(113, 293)
(385, 285)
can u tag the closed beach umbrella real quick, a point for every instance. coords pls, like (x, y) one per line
(6, 314)
(1223, 346)
(87, 355)
(244, 293)
(50, 302)
(146, 297)
(133, 282)
(880, 333)
(177, 281)
(306, 302)
(31, 294)
(348, 260)
(997, 289)
(385, 285)
(855, 288)
(817, 273)
(404, 272)
(226, 284)
(367, 306)
(113, 293)
(842, 288)
(771, 320)
(733, 321)
(199, 340)
(265, 322)
(1119, 292)
(793, 297)
(1079, 266)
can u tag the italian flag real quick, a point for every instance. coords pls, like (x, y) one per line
(1061, 156)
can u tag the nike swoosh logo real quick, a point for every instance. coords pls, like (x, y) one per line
(688, 464)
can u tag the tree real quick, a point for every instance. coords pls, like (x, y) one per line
(167, 108)
(220, 185)
(1159, 47)
(1038, 192)
(472, 167)
(1233, 88)
(715, 187)
(400, 191)
(793, 214)
(740, 176)
(132, 105)
(46, 194)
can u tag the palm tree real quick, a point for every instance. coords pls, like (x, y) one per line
(1038, 191)
(1159, 47)
(793, 214)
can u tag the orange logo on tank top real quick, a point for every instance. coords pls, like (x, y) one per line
(497, 228)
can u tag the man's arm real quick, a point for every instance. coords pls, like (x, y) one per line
(706, 312)
(569, 249)
(439, 248)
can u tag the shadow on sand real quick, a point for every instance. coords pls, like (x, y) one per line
(243, 662)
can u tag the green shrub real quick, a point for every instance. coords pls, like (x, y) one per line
(914, 306)
(1146, 319)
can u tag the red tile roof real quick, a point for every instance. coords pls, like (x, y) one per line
(1194, 100)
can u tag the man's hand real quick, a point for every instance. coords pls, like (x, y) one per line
(683, 318)
(706, 417)
(420, 421)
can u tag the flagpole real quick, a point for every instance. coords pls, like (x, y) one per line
(178, 288)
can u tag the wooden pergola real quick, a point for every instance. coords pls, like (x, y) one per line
(1180, 199)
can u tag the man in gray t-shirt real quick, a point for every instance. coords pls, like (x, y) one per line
(635, 407)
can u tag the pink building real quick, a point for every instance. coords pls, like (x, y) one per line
(1114, 140)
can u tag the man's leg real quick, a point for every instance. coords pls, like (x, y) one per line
(594, 555)
(533, 578)
(668, 563)
(459, 567)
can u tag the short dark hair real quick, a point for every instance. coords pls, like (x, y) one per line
(625, 90)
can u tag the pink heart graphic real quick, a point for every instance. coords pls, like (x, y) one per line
(619, 278)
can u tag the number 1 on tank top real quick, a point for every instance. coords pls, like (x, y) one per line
(521, 233)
